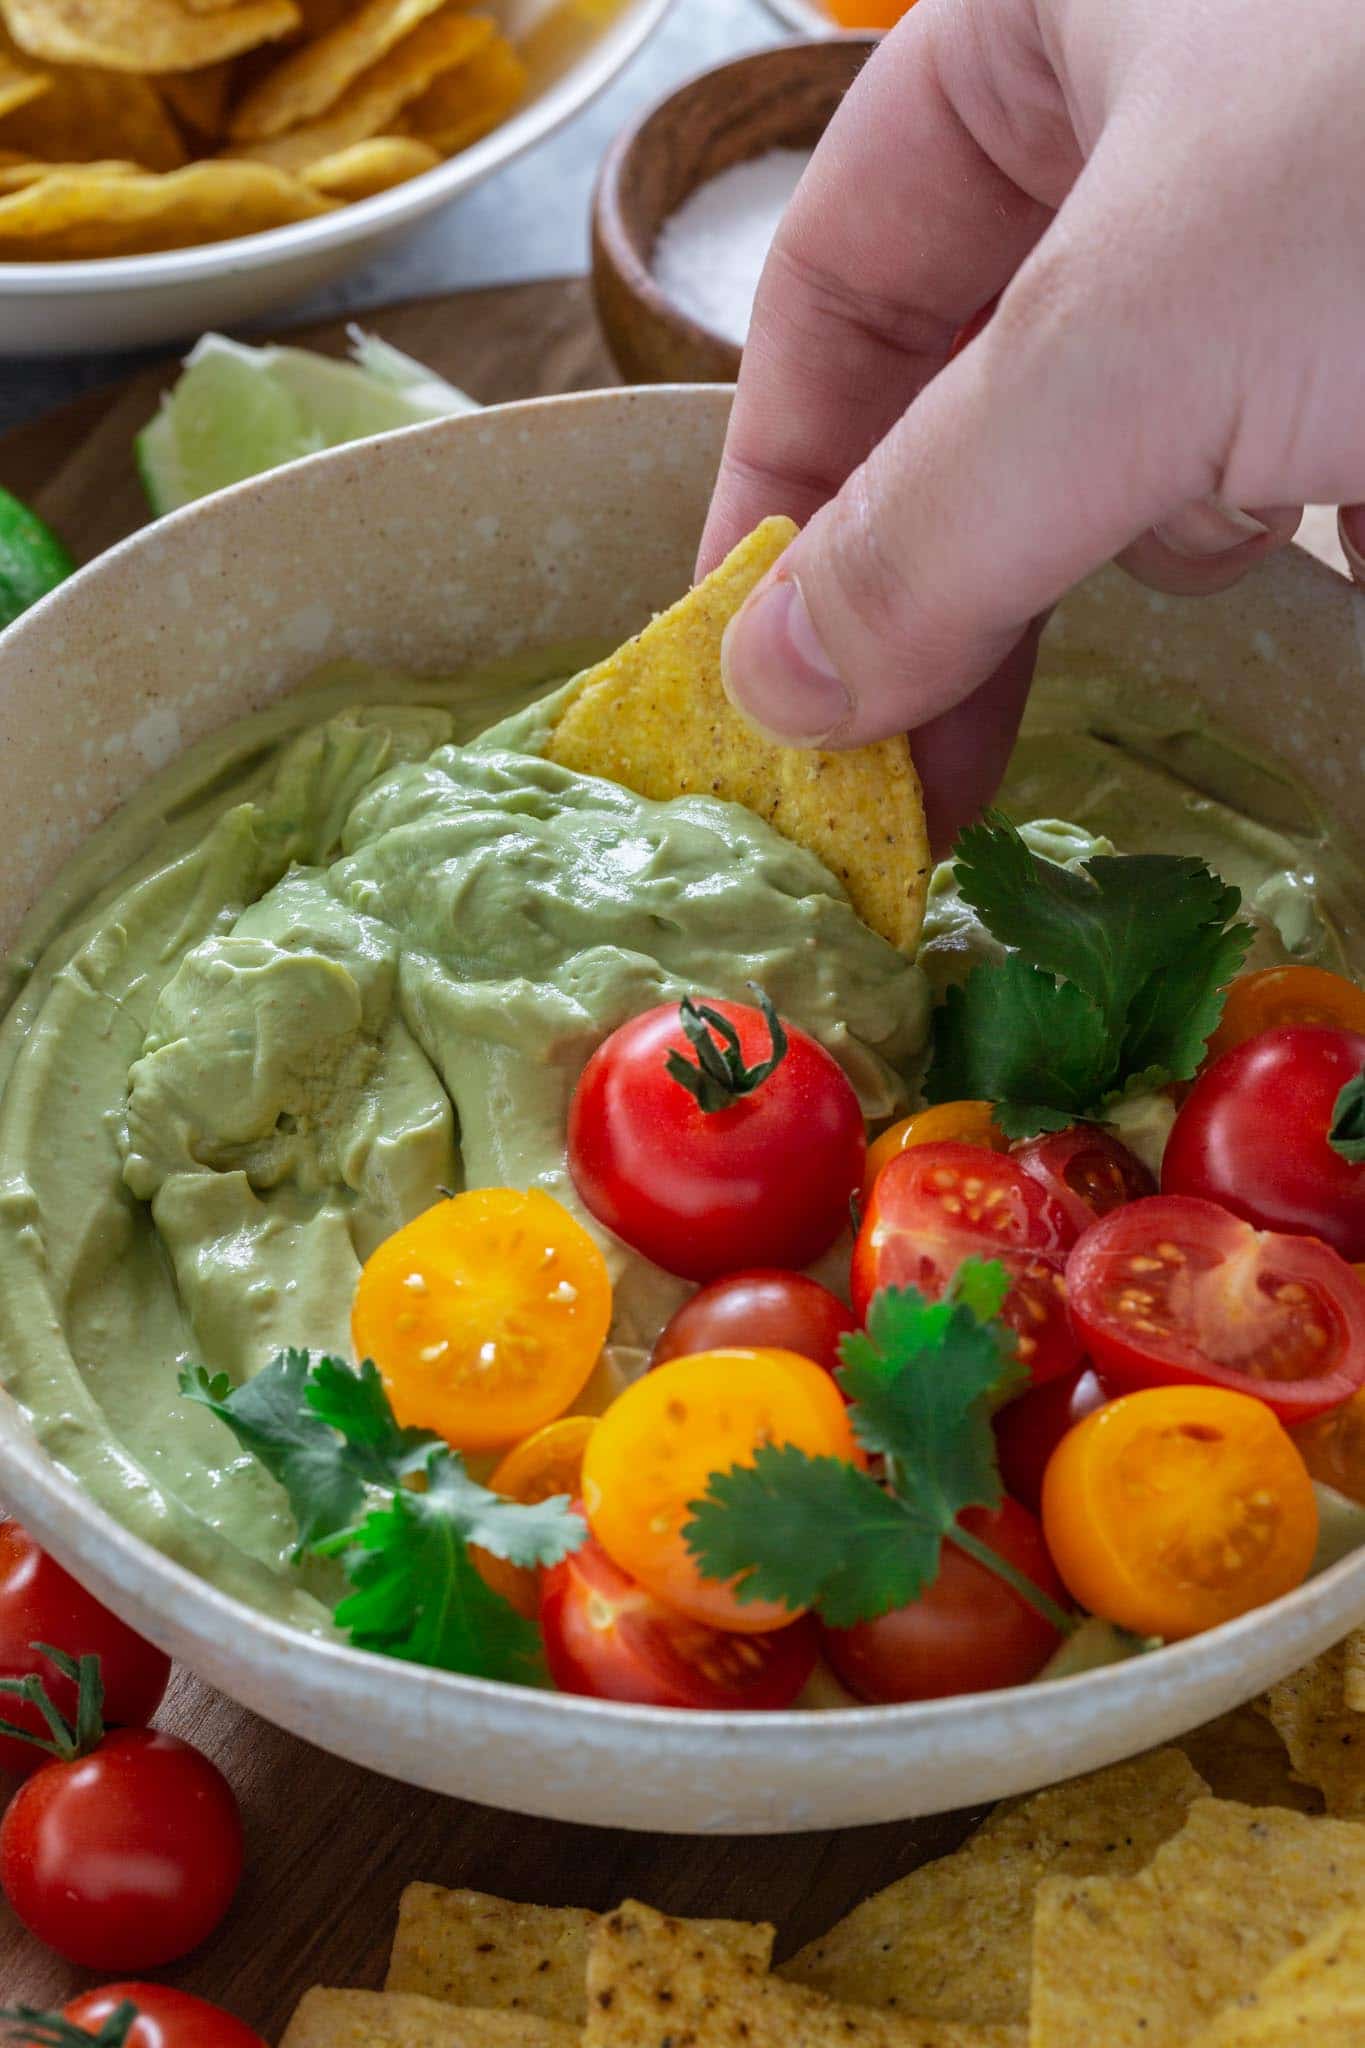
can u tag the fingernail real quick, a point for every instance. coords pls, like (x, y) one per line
(776, 672)
(1355, 561)
(1212, 528)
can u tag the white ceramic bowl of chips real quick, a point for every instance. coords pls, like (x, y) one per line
(522, 528)
(136, 301)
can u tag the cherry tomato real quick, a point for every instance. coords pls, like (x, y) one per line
(762, 1310)
(945, 1123)
(166, 2018)
(607, 1637)
(485, 1316)
(969, 1633)
(1029, 1429)
(1088, 1170)
(868, 13)
(655, 1449)
(1176, 1290)
(1252, 1134)
(1285, 995)
(41, 1603)
(937, 1205)
(546, 1464)
(126, 1858)
(763, 1179)
(1178, 1508)
(1332, 1446)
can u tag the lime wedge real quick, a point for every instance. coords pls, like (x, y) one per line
(32, 559)
(237, 411)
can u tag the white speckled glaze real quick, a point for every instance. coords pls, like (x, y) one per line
(449, 544)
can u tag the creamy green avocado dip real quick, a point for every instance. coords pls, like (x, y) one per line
(354, 951)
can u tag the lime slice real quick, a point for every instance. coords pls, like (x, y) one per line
(237, 411)
(32, 559)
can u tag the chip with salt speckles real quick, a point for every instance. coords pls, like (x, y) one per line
(1316, 1994)
(380, 2019)
(1240, 1756)
(467, 1948)
(654, 716)
(954, 1937)
(1323, 1733)
(1146, 1961)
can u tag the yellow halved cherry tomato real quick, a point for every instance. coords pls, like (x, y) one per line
(485, 1316)
(655, 1449)
(1285, 995)
(546, 1464)
(1177, 1508)
(946, 1123)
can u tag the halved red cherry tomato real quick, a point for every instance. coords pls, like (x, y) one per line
(1029, 1429)
(1177, 1508)
(1253, 1135)
(1174, 1290)
(969, 1633)
(943, 1123)
(607, 1637)
(1285, 995)
(764, 1309)
(937, 1205)
(166, 2018)
(1087, 1169)
(709, 1175)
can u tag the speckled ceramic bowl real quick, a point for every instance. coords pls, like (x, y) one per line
(444, 545)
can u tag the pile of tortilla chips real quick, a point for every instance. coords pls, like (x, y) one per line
(128, 126)
(1209, 1895)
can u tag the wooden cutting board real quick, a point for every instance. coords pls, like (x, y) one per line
(330, 1847)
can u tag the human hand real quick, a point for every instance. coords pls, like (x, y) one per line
(1170, 195)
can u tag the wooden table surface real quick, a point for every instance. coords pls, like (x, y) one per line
(329, 1846)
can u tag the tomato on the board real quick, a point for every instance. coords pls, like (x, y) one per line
(657, 1446)
(943, 1123)
(969, 1633)
(1172, 1510)
(149, 2016)
(936, 1205)
(712, 1136)
(1088, 1169)
(541, 1467)
(1176, 1290)
(763, 1309)
(1029, 1428)
(607, 1637)
(1253, 1135)
(1273, 996)
(41, 1603)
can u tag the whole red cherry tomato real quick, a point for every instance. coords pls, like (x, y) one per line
(1174, 1290)
(764, 1309)
(1087, 1169)
(41, 1603)
(936, 1205)
(140, 2016)
(607, 1637)
(969, 1633)
(711, 1136)
(1253, 1135)
(1029, 1429)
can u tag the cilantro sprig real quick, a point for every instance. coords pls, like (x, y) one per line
(923, 1382)
(1347, 1134)
(1113, 980)
(397, 1509)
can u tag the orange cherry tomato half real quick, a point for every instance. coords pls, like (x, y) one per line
(545, 1465)
(655, 1449)
(485, 1316)
(1178, 1508)
(1285, 995)
(946, 1123)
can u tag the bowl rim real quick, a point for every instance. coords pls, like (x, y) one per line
(382, 212)
(1332, 1600)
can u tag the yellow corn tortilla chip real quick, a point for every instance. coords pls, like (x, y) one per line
(1317, 1994)
(14, 177)
(953, 1939)
(143, 35)
(469, 101)
(1145, 1961)
(1324, 1736)
(1240, 1756)
(369, 167)
(378, 2019)
(369, 107)
(200, 98)
(653, 1982)
(74, 214)
(19, 85)
(467, 1948)
(313, 77)
(87, 116)
(655, 717)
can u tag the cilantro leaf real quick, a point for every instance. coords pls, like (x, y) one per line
(1347, 1135)
(1175, 1013)
(1013, 1036)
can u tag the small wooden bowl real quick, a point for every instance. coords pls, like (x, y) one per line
(782, 98)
